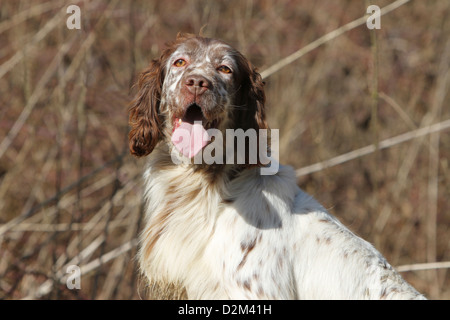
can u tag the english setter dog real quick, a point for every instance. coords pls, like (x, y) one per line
(223, 230)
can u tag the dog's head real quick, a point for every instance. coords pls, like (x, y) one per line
(196, 84)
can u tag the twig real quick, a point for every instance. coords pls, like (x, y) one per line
(37, 93)
(405, 117)
(47, 286)
(423, 266)
(433, 163)
(329, 36)
(64, 227)
(387, 143)
(94, 264)
(10, 224)
(33, 11)
(49, 26)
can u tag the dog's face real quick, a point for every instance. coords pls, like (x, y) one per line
(197, 84)
(200, 83)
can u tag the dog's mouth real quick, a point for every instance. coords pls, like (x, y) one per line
(190, 134)
(192, 115)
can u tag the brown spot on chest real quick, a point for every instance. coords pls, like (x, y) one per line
(247, 247)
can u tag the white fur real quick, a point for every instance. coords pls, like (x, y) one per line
(272, 241)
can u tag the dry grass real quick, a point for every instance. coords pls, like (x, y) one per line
(359, 107)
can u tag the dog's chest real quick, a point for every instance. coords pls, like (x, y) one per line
(181, 219)
(215, 247)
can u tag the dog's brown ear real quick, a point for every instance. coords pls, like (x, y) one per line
(257, 101)
(251, 97)
(250, 112)
(145, 119)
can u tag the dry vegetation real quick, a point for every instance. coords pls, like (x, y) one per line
(71, 194)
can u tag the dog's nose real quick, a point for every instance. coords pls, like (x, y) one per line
(197, 84)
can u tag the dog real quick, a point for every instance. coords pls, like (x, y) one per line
(223, 230)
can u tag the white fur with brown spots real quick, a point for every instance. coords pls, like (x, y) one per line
(226, 231)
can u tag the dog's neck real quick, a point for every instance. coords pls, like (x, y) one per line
(162, 158)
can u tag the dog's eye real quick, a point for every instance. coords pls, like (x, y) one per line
(180, 63)
(224, 69)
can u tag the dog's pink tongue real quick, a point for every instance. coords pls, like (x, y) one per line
(189, 139)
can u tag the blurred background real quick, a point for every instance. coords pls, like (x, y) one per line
(70, 193)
